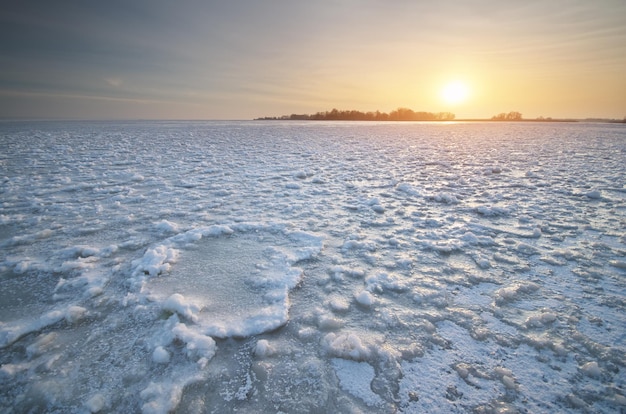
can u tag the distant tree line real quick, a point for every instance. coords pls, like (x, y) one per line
(511, 116)
(516, 116)
(400, 114)
(406, 114)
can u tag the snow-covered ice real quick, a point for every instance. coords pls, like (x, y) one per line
(312, 267)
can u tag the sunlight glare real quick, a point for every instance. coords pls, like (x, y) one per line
(455, 93)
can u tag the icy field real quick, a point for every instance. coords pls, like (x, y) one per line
(312, 267)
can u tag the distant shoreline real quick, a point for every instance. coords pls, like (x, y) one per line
(556, 120)
(565, 120)
(407, 114)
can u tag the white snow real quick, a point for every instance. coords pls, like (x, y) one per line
(346, 345)
(156, 261)
(178, 304)
(160, 355)
(264, 349)
(592, 369)
(160, 398)
(365, 298)
(198, 345)
(312, 267)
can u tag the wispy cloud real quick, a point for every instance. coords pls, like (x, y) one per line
(115, 82)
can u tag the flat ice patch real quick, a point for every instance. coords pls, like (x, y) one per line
(232, 286)
(356, 378)
(213, 274)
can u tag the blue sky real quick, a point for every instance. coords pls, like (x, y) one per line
(244, 59)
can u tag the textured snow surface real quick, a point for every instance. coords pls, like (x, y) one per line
(212, 267)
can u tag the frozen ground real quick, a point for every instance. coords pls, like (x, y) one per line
(312, 267)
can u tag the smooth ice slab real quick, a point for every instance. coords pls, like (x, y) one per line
(215, 275)
(229, 285)
(215, 278)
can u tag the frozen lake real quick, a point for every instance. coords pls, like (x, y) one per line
(213, 267)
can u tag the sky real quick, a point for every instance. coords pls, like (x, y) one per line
(242, 59)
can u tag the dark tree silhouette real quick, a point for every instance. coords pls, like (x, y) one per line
(511, 116)
(400, 114)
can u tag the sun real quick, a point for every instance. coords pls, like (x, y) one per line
(455, 93)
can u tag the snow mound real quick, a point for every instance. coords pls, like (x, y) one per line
(347, 346)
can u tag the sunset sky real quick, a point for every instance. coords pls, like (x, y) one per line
(156, 59)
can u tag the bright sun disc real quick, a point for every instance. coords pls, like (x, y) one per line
(455, 92)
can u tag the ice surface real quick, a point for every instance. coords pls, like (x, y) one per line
(312, 267)
(355, 378)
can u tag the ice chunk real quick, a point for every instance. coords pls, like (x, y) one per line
(167, 226)
(177, 303)
(506, 377)
(620, 264)
(160, 398)
(339, 304)
(329, 323)
(365, 298)
(576, 401)
(11, 332)
(592, 369)
(22, 267)
(511, 293)
(472, 239)
(346, 345)
(594, 194)
(308, 333)
(386, 281)
(264, 349)
(359, 245)
(378, 208)
(43, 343)
(493, 211)
(160, 355)
(408, 189)
(444, 197)
(155, 261)
(508, 382)
(74, 314)
(198, 345)
(540, 319)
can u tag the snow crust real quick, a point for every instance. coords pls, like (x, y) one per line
(163, 267)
